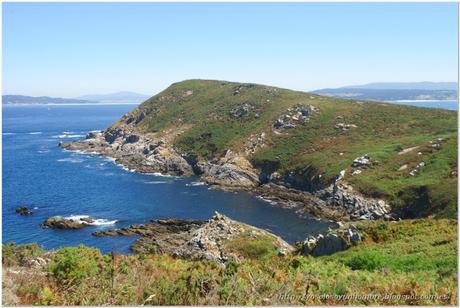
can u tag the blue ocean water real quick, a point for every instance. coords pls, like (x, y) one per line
(40, 175)
(451, 105)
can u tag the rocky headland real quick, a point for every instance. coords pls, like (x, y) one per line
(155, 153)
(219, 239)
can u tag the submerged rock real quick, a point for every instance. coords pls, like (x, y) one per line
(24, 211)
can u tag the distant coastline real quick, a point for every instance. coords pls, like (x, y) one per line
(69, 104)
(423, 101)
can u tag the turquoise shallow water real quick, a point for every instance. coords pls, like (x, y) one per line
(40, 175)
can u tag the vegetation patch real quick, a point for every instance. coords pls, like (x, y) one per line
(414, 261)
(252, 247)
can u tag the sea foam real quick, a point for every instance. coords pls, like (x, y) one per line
(96, 222)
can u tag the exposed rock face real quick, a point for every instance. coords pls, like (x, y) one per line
(67, 223)
(143, 153)
(337, 204)
(38, 262)
(193, 239)
(231, 171)
(333, 241)
(416, 171)
(344, 126)
(24, 211)
(241, 111)
(150, 153)
(362, 162)
(343, 196)
(296, 115)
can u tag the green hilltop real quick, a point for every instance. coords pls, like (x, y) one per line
(220, 115)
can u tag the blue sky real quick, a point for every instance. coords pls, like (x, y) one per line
(71, 49)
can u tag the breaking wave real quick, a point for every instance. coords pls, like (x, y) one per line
(195, 184)
(71, 160)
(68, 136)
(95, 222)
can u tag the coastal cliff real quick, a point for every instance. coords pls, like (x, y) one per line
(337, 159)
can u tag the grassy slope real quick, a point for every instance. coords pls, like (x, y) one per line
(405, 258)
(383, 130)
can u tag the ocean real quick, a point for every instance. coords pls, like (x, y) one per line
(451, 105)
(53, 182)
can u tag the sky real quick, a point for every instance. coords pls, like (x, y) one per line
(72, 49)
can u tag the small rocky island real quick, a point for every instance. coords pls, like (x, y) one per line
(58, 222)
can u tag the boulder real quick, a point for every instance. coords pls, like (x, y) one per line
(278, 123)
(241, 111)
(333, 241)
(24, 211)
(132, 139)
(93, 135)
(362, 161)
(67, 223)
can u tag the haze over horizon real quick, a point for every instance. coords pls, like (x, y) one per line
(74, 49)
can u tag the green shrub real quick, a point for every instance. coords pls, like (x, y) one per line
(75, 263)
(365, 261)
(19, 255)
(252, 248)
(46, 298)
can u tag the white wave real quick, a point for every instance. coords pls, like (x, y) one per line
(35, 133)
(44, 151)
(266, 200)
(79, 152)
(103, 222)
(96, 222)
(68, 136)
(110, 159)
(36, 208)
(195, 184)
(71, 160)
(161, 174)
(8, 134)
(156, 182)
(68, 133)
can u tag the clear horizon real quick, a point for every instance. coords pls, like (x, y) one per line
(73, 49)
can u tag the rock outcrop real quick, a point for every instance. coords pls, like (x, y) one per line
(343, 197)
(145, 153)
(195, 239)
(296, 115)
(331, 242)
(153, 153)
(231, 171)
(67, 223)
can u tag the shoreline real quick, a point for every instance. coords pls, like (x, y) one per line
(336, 203)
(269, 199)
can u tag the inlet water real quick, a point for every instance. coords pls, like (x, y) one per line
(53, 182)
